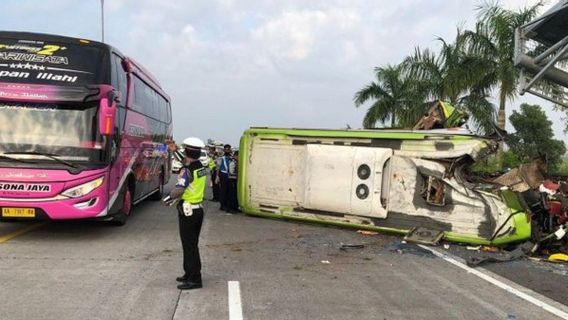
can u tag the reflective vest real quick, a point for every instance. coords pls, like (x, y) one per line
(212, 165)
(195, 192)
(224, 167)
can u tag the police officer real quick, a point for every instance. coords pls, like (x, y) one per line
(223, 177)
(189, 193)
(213, 171)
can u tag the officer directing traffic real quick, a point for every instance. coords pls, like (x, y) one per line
(188, 194)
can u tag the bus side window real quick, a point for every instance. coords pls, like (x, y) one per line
(121, 79)
(120, 119)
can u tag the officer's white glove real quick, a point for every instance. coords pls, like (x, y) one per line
(168, 201)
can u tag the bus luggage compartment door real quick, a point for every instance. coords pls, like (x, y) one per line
(345, 179)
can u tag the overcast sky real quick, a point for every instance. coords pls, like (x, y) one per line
(230, 64)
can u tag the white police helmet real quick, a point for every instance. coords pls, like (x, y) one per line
(194, 143)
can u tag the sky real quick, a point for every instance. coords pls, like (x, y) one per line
(229, 65)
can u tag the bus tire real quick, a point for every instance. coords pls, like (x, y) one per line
(158, 195)
(122, 216)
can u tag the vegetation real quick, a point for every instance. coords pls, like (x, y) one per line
(532, 139)
(533, 136)
(396, 96)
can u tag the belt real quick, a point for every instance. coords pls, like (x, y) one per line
(196, 206)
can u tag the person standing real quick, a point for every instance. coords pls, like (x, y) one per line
(188, 195)
(233, 174)
(213, 171)
(223, 177)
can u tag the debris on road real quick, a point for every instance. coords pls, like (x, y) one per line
(558, 257)
(489, 249)
(345, 247)
(424, 236)
(325, 262)
(403, 248)
(367, 232)
(488, 257)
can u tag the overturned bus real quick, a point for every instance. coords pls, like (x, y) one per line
(381, 180)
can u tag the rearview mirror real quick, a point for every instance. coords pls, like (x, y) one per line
(107, 113)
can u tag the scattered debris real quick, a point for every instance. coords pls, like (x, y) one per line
(473, 248)
(325, 262)
(402, 248)
(367, 232)
(487, 257)
(345, 246)
(558, 257)
(446, 246)
(424, 236)
(489, 249)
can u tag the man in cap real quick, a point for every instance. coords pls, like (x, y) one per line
(188, 194)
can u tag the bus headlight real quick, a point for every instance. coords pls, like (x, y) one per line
(83, 189)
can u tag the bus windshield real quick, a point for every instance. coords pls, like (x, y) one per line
(33, 132)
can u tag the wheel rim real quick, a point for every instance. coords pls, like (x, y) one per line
(127, 206)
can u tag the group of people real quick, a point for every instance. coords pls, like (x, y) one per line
(224, 174)
(188, 195)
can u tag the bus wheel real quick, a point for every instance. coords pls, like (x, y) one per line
(121, 217)
(158, 195)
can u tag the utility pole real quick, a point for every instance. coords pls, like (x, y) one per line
(103, 20)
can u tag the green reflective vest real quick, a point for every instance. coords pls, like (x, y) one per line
(195, 192)
(212, 165)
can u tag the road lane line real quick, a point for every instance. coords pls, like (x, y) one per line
(235, 305)
(20, 232)
(487, 277)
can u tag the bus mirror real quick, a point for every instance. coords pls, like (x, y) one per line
(107, 112)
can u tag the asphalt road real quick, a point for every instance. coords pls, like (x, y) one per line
(284, 270)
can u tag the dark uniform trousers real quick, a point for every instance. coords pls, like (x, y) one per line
(224, 191)
(215, 185)
(233, 203)
(189, 229)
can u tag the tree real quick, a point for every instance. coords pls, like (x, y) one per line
(494, 40)
(534, 137)
(395, 97)
(457, 76)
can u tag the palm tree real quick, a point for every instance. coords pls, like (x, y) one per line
(493, 39)
(457, 76)
(395, 97)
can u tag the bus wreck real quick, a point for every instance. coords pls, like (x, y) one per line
(381, 180)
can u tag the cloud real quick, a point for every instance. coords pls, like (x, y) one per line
(294, 34)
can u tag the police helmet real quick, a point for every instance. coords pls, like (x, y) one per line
(193, 143)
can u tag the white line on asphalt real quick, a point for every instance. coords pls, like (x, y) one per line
(538, 302)
(235, 305)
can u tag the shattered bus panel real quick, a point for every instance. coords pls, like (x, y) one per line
(383, 180)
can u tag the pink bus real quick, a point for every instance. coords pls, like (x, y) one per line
(82, 130)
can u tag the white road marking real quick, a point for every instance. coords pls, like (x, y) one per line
(524, 294)
(235, 305)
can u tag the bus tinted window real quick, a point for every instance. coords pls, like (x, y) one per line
(149, 102)
(121, 83)
(43, 62)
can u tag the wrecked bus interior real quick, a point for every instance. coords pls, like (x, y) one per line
(381, 180)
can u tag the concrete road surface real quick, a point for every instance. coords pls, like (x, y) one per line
(253, 269)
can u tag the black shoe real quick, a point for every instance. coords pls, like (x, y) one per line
(223, 209)
(182, 279)
(190, 285)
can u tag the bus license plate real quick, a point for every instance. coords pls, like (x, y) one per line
(18, 212)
